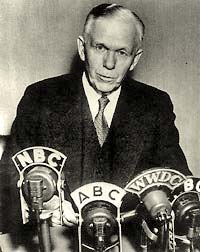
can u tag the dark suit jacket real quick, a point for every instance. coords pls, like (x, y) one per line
(55, 113)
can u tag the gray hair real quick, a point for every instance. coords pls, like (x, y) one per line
(109, 10)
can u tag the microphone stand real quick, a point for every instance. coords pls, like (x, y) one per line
(143, 241)
(164, 237)
(35, 188)
(43, 234)
(164, 233)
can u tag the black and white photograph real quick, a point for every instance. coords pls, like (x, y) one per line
(99, 126)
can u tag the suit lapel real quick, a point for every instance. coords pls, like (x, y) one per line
(127, 132)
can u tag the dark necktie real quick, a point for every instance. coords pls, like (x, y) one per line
(100, 122)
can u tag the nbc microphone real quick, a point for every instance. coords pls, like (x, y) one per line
(39, 186)
(41, 181)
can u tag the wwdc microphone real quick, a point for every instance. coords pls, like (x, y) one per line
(40, 179)
(154, 187)
(157, 204)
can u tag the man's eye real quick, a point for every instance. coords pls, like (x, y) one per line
(100, 48)
(122, 53)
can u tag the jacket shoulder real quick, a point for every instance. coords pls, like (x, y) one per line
(145, 89)
(48, 93)
(53, 84)
(149, 96)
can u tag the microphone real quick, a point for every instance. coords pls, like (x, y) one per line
(99, 226)
(39, 186)
(99, 220)
(159, 208)
(154, 187)
(185, 207)
(40, 179)
(157, 204)
(187, 218)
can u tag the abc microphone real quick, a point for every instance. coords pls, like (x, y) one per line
(100, 223)
(99, 226)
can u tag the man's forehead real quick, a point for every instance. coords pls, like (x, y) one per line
(114, 24)
(113, 31)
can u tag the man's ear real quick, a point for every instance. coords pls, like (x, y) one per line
(136, 59)
(81, 49)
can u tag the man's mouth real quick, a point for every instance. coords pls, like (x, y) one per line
(105, 78)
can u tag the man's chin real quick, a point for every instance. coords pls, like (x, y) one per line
(106, 88)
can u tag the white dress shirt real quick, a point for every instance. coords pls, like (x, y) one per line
(93, 97)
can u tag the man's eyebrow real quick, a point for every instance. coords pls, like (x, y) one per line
(100, 43)
(96, 42)
(122, 49)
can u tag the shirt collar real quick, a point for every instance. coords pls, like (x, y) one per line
(93, 96)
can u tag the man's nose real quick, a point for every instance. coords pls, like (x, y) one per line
(109, 60)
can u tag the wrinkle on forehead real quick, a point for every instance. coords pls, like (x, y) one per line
(115, 33)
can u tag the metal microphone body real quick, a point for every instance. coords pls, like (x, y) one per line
(100, 223)
(154, 187)
(39, 186)
(41, 178)
(159, 208)
(157, 204)
(34, 186)
(48, 187)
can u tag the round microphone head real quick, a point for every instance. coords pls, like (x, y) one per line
(48, 178)
(183, 206)
(99, 211)
(157, 203)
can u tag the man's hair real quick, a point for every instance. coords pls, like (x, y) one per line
(109, 10)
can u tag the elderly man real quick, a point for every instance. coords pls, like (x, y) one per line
(109, 126)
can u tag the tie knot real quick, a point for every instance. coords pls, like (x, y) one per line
(103, 101)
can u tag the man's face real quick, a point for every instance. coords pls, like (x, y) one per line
(108, 52)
